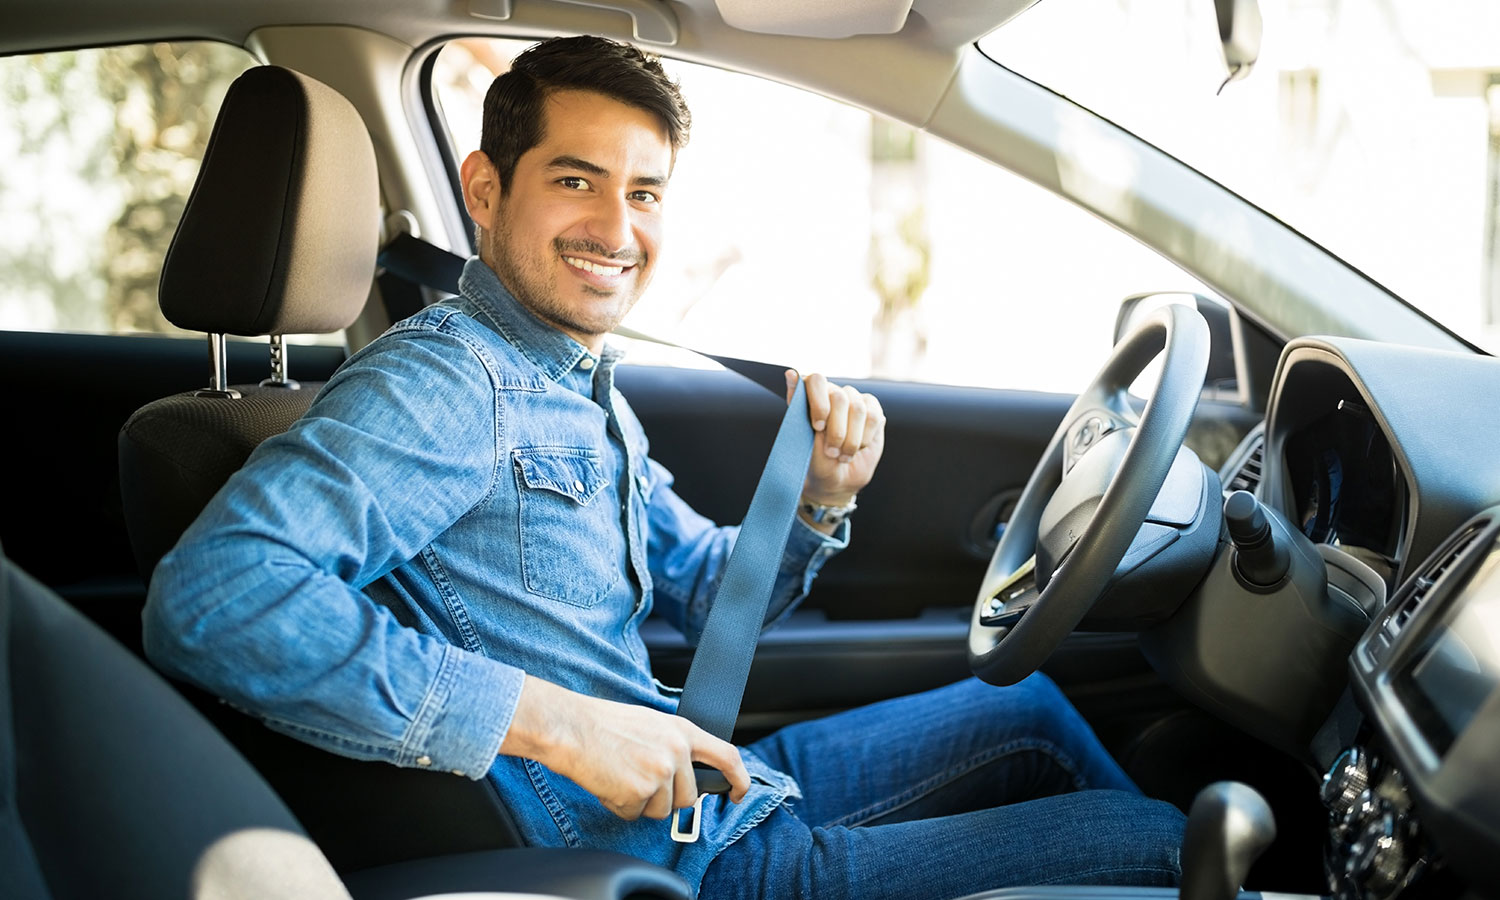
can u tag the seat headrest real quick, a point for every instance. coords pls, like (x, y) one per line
(281, 230)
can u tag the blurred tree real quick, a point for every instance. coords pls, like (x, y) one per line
(167, 97)
(900, 257)
(117, 134)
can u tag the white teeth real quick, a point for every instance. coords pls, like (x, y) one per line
(593, 267)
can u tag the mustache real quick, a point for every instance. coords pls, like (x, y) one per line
(627, 257)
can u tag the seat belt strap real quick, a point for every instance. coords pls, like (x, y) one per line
(716, 679)
(715, 685)
(421, 263)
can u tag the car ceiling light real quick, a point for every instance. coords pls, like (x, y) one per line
(651, 21)
(816, 18)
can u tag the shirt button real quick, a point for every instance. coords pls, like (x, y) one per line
(643, 481)
(424, 761)
(458, 772)
(586, 363)
(578, 486)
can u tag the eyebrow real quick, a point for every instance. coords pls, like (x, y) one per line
(583, 165)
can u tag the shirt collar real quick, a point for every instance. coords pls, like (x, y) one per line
(555, 353)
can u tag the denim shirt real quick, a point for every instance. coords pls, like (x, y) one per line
(469, 499)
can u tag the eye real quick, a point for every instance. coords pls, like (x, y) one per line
(574, 183)
(644, 197)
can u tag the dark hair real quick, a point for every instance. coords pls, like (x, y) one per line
(515, 106)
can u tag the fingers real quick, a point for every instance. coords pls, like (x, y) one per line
(850, 420)
(850, 443)
(650, 773)
(685, 784)
(837, 429)
(679, 790)
(725, 757)
(854, 426)
(874, 431)
(817, 401)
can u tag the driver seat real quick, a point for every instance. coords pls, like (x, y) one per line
(280, 235)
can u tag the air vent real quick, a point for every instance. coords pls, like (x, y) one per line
(1430, 574)
(1247, 476)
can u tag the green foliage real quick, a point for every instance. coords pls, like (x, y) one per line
(106, 146)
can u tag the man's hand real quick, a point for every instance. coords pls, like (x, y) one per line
(850, 437)
(637, 761)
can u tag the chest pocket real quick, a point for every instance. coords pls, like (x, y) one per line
(572, 548)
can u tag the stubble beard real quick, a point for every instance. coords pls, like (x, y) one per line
(536, 289)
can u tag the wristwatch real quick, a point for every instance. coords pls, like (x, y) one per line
(821, 514)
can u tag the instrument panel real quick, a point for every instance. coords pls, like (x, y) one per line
(1346, 487)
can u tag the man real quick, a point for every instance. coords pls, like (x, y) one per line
(446, 562)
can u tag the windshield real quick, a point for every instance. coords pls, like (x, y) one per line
(1372, 128)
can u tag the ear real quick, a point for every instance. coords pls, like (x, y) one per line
(481, 187)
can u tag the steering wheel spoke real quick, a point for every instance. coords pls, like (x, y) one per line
(1013, 596)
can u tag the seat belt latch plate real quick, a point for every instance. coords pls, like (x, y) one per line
(689, 836)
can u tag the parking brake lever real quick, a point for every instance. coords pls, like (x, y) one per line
(1228, 828)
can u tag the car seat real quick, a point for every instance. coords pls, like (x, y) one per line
(280, 235)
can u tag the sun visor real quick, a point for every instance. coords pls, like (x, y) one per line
(816, 18)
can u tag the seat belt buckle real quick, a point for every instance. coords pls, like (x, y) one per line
(689, 836)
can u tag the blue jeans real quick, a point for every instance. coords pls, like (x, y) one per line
(942, 794)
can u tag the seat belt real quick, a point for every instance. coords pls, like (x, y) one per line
(715, 684)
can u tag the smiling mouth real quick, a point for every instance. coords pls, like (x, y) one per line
(595, 268)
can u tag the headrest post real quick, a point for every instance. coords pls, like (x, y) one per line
(278, 366)
(218, 376)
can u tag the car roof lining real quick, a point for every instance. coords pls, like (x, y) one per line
(36, 24)
(902, 75)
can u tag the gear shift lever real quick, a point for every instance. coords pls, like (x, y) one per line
(1228, 828)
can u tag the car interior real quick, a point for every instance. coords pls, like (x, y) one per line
(1266, 577)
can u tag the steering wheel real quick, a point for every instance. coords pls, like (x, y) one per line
(1087, 499)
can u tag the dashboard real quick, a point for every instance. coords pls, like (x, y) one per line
(1386, 456)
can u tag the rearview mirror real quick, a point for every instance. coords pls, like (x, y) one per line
(1239, 36)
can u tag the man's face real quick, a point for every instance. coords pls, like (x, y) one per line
(574, 235)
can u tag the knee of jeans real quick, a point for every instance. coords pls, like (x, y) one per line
(1155, 828)
(1044, 702)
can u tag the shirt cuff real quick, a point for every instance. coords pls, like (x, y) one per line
(804, 534)
(467, 713)
(807, 549)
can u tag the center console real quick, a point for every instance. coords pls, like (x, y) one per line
(1416, 802)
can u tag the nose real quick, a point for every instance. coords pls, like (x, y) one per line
(610, 223)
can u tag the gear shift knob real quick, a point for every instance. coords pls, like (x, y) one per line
(1228, 828)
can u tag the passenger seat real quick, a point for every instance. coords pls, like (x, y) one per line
(112, 786)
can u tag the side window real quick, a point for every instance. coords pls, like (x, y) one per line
(98, 152)
(806, 232)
